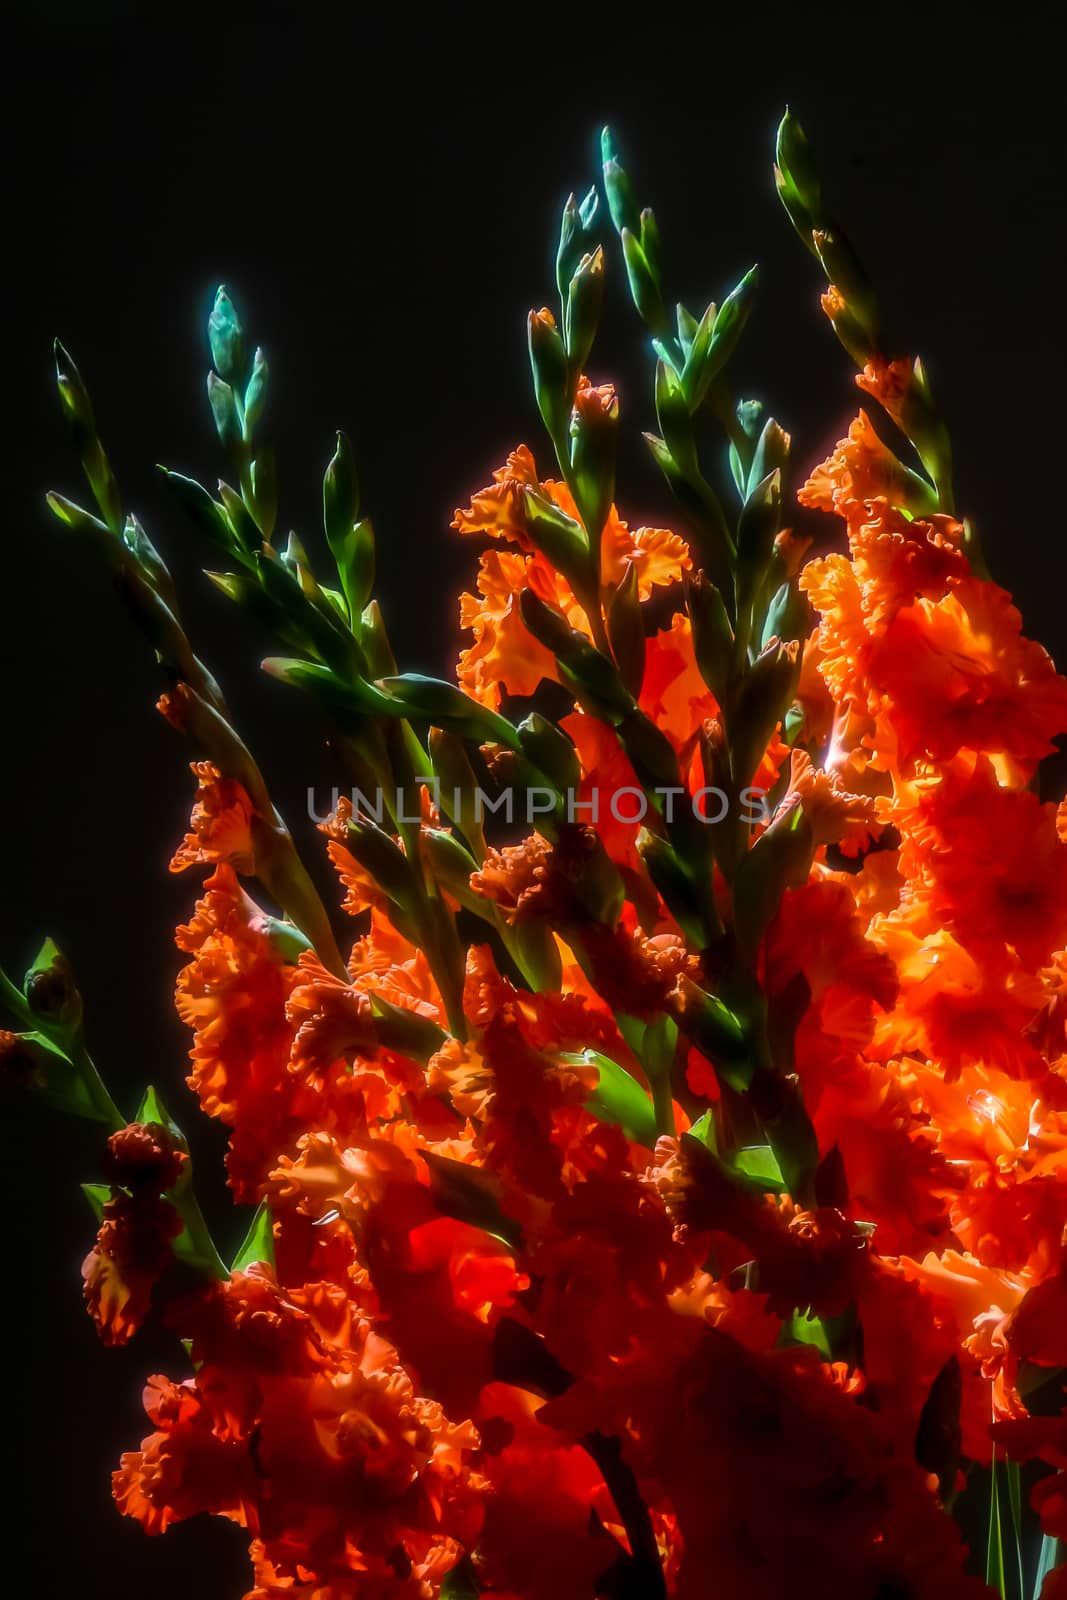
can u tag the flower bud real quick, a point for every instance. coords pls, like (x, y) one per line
(50, 990)
(226, 339)
(593, 428)
(585, 296)
(551, 372)
(713, 637)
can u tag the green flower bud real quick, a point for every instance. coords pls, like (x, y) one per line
(594, 430)
(626, 630)
(714, 1029)
(643, 285)
(584, 298)
(226, 340)
(551, 751)
(617, 187)
(351, 541)
(674, 884)
(551, 372)
(256, 392)
(713, 637)
(224, 410)
(446, 705)
(50, 990)
(780, 859)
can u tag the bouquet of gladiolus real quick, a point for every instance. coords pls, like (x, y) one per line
(655, 1161)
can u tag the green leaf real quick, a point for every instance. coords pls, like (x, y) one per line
(796, 180)
(703, 1131)
(258, 1245)
(152, 1109)
(593, 679)
(1047, 1561)
(788, 615)
(246, 534)
(688, 327)
(571, 245)
(796, 162)
(617, 1098)
(1015, 1503)
(713, 637)
(460, 1583)
(74, 398)
(675, 883)
(457, 788)
(380, 855)
(207, 515)
(353, 699)
(286, 939)
(263, 477)
(407, 1032)
(644, 288)
(802, 1328)
(13, 999)
(80, 521)
(791, 1134)
(67, 1085)
(98, 1195)
(715, 1030)
(453, 866)
(675, 422)
(766, 691)
(759, 1162)
(780, 859)
(725, 334)
(994, 1568)
(472, 1195)
(632, 1030)
(699, 342)
(756, 528)
(555, 534)
(650, 241)
(73, 394)
(374, 641)
(446, 705)
(224, 411)
(355, 557)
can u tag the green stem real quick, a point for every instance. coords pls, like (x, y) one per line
(109, 1111)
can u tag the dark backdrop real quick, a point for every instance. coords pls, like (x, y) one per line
(382, 196)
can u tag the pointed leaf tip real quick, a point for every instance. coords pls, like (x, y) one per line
(258, 1245)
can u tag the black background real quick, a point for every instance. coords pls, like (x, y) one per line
(382, 196)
